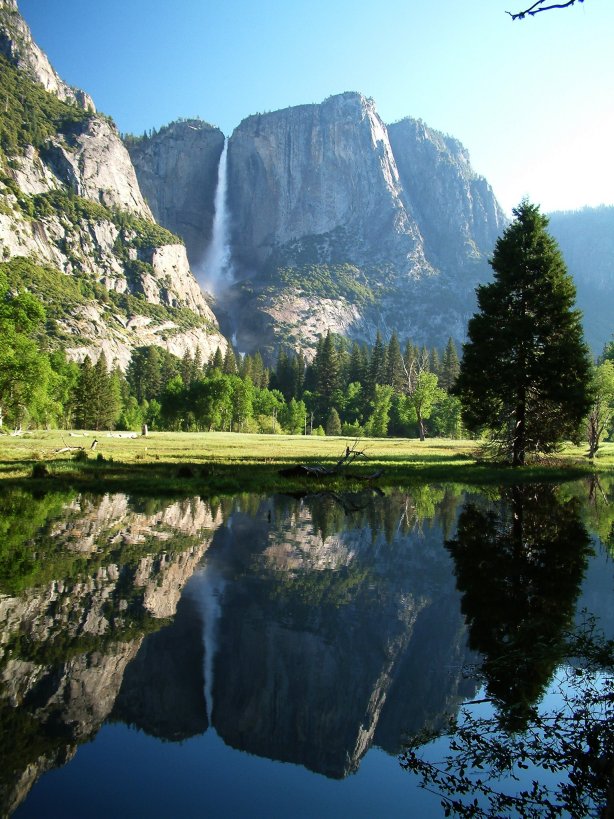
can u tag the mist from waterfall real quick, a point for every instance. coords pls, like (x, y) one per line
(216, 270)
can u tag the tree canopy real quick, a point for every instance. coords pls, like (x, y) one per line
(525, 374)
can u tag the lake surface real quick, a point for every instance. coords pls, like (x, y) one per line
(274, 656)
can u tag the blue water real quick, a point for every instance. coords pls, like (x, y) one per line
(123, 772)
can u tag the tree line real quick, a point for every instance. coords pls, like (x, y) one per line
(524, 384)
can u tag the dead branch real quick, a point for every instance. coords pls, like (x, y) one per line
(538, 7)
(320, 471)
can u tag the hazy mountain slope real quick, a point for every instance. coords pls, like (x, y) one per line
(586, 238)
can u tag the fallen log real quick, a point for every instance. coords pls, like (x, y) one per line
(337, 470)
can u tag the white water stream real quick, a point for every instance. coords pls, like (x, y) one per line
(217, 266)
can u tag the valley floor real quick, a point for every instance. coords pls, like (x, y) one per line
(227, 463)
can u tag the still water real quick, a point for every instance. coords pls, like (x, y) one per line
(279, 656)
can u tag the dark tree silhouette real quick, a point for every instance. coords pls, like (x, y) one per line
(538, 7)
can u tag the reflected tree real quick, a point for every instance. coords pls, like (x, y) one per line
(519, 569)
(561, 765)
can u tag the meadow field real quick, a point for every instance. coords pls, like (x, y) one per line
(229, 462)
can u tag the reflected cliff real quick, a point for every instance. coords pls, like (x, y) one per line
(302, 630)
(82, 581)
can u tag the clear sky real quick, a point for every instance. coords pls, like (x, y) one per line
(533, 101)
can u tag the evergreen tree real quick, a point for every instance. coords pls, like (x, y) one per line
(525, 372)
(435, 362)
(97, 403)
(144, 373)
(357, 368)
(377, 366)
(186, 368)
(197, 370)
(327, 374)
(333, 423)
(216, 362)
(450, 366)
(394, 365)
(230, 362)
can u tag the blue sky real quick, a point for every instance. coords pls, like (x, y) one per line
(532, 101)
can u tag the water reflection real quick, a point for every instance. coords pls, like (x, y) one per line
(303, 630)
(519, 567)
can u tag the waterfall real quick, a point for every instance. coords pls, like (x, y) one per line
(217, 266)
(207, 589)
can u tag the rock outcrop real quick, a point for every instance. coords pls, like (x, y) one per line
(187, 153)
(71, 202)
(340, 222)
(17, 45)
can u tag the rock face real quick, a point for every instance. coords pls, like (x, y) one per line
(187, 153)
(454, 208)
(312, 170)
(95, 164)
(70, 201)
(17, 45)
(341, 222)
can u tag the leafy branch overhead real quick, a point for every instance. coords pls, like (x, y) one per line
(538, 7)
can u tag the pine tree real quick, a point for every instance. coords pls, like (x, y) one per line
(327, 374)
(229, 366)
(525, 372)
(377, 366)
(333, 423)
(395, 374)
(186, 368)
(450, 366)
(357, 368)
(216, 362)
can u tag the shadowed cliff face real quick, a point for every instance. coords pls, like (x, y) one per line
(320, 622)
(177, 172)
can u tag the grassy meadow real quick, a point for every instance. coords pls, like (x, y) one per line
(217, 462)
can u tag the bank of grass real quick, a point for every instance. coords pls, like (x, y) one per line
(219, 463)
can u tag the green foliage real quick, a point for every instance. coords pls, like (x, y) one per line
(325, 281)
(24, 370)
(333, 423)
(525, 372)
(97, 398)
(601, 415)
(31, 115)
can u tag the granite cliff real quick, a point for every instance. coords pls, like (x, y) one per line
(72, 213)
(339, 221)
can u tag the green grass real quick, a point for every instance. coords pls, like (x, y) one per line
(223, 463)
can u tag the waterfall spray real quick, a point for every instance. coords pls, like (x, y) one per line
(217, 267)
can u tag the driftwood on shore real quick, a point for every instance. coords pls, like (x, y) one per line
(339, 469)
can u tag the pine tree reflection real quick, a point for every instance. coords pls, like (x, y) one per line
(519, 569)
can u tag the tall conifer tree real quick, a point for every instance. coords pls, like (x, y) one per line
(525, 372)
